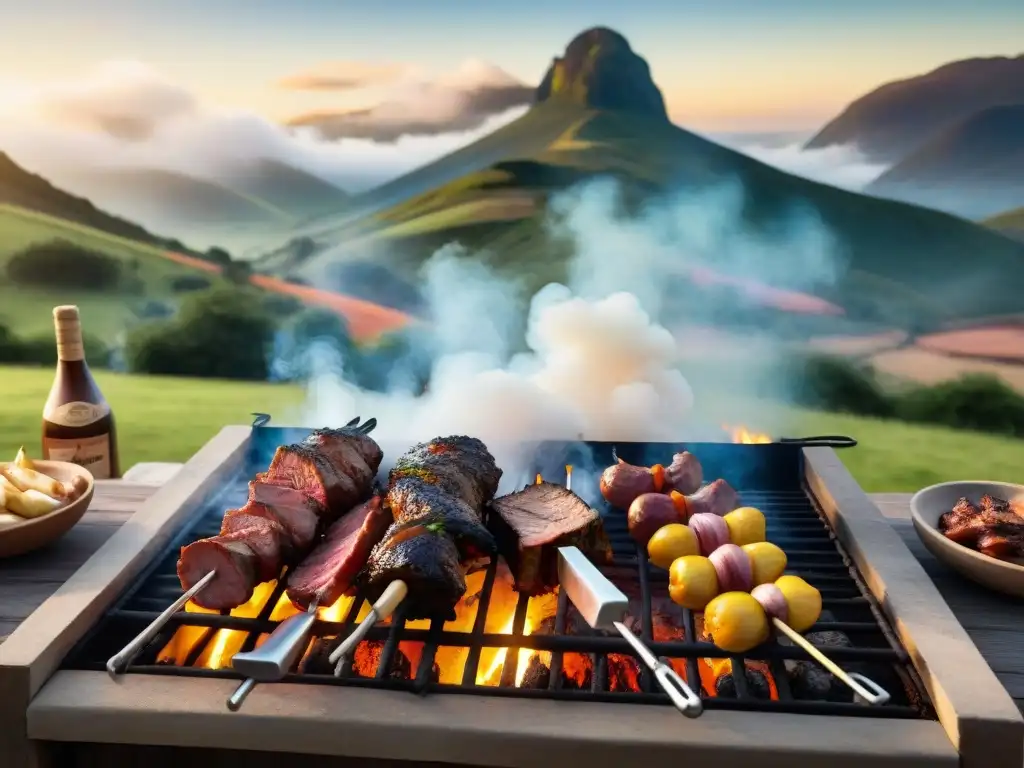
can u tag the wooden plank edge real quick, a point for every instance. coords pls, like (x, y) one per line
(475, 730)
(36, 648)
(978, 715)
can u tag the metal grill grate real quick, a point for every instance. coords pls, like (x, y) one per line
(768, 476)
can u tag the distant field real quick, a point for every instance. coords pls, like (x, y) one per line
(167, 419)
(1005, 342)
(927, 367)
(27, 310)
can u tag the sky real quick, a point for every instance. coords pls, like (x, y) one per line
(723, 65)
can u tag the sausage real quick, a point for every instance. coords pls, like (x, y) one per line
(652, 511)
(623, 482)
(684, 474)
(717, 498)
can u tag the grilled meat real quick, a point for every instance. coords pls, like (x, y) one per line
(307, 486)
(298, 513)
(415, 501)
(436, 494)
(330, 569)
(461, 466)
(992, 526)
(426, 559)
(530, 525)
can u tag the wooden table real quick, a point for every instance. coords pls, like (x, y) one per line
(996, 624)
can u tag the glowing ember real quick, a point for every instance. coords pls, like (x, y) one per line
(744, 435)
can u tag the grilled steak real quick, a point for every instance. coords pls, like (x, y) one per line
(530, 525)
(330, 569)
(266, 537)
(427, 561)
(459, 465)
(298, 513)
(306, 469)
(235, 564)
(414, 501)
(340, 446)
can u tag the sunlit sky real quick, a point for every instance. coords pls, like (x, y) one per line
(722, 64)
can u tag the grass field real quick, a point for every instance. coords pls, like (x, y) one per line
(165, 419)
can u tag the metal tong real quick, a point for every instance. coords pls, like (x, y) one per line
(603, 606)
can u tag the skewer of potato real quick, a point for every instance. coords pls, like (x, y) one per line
(29, 503)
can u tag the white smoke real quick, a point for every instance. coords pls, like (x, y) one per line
(841, 166)
(598, 366)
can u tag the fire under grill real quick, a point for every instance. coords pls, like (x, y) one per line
(505, 644)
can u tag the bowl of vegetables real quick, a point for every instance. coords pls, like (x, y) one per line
(40, 501)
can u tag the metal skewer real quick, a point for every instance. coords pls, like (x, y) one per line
(273, 660)
(117, 663)
(858, 683)
(120, 660)
(603, 606)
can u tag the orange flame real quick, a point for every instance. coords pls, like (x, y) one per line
(538, 480)
(741, 434)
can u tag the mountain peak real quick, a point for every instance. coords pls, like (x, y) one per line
(599, 70)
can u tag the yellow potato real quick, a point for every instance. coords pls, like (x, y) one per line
(30, 480)
(22, 460)
(6, 518)
(30, 503)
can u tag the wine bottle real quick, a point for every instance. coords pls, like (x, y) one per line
(78, 425)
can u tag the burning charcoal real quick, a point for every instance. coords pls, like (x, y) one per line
(367, 658)
(808, 680)
(537, 675)
(623, 673)
(757, 684)
(577, 668)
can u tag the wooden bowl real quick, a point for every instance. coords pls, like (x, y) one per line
(19, 538)
(929, 504)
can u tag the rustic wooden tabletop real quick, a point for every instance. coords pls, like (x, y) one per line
(995, 623)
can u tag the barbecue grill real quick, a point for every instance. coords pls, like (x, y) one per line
(768, 477)
(517, 681)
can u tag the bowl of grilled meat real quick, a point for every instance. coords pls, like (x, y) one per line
(977, 528)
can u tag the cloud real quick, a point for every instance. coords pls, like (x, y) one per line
(343, 76)
(419, 105)
(125, 114)
(840, 166)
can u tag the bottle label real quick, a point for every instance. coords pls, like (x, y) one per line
(76, 414)
(93, 453)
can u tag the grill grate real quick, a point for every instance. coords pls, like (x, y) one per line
(603, 666)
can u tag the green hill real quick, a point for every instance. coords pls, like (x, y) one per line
(26, 310)
(286, 188)
(1010, 223)
(974, 168)
(20, 188)
(493, 197)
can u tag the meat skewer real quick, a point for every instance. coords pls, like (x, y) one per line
(255, 539)
(437, 492)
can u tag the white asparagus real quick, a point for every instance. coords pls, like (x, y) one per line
(22, 460)
(30, 480)
(30, 503)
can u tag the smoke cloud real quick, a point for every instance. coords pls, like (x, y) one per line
(598, 365)
(840, 166)
(126, 115)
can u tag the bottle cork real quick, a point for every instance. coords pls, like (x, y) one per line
(68, 327)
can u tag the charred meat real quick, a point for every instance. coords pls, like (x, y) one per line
(993, 527)
(330, 570)
(530, 525)
(307, 487)
(436, 494)
(460, 466)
